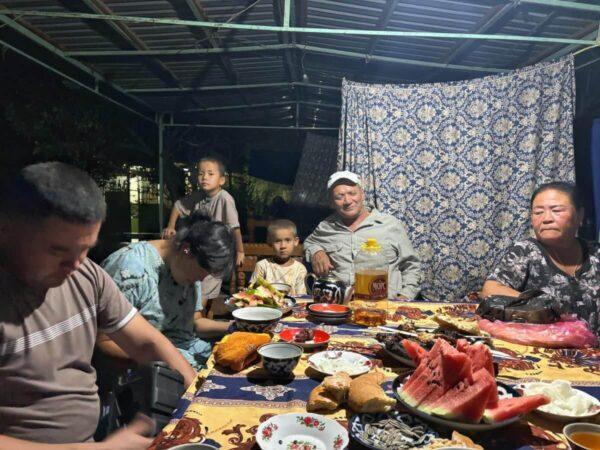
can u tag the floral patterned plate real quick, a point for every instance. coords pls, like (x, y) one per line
(297, 431)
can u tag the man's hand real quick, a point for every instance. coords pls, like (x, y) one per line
(321, 263)
(133, 437)
(239, 259)
(189, 378)
(168, 233)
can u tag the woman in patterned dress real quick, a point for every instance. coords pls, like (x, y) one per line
(161, 279)
(556, 261)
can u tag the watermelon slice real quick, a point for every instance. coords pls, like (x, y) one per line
(437, 372)
(415, 352)
(466, 401)
(481, 358)
(456, 367)
(511, 407)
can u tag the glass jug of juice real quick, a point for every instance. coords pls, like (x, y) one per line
(370, 303)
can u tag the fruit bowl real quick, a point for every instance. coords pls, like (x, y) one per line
(504, 391)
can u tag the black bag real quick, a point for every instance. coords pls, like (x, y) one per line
(531, 306)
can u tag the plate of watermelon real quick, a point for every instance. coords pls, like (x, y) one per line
(456, 388)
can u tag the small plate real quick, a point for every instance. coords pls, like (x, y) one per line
(563, 417)
(504, 391)
(330, 362)
(329, 309)
(358, 422)
(290, 302)
(403, 359)
(316, 432)
(320, 337)
(328, 320)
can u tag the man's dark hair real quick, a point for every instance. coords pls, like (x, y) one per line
(53, 189)
(562, 186)
(210, 242)
(213, 159)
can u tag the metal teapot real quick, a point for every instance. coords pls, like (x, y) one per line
(327, 289)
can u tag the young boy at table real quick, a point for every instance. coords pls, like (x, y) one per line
(212, 201)
(282, 235)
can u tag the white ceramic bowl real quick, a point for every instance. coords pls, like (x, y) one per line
(194, 446)
(282, 287)
(580, 427)
(282, 431)
(565, 418)
(256, 319)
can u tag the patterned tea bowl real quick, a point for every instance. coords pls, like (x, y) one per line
(256, 319)
(301, 431)
(280, 358)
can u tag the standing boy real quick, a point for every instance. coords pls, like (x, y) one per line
(212, 201)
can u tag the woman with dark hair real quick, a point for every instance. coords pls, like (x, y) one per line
(556, 261)
(162, 280)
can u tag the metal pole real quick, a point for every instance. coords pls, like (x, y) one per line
(161, 128)
(228, 87)
(257, 127)
(286, 14)
(336, 31)
(564, 4)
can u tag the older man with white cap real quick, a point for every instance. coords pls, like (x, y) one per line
(335, 242)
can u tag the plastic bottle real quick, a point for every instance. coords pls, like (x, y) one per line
(370, 302)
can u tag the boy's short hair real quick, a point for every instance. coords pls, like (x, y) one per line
(281, 224)
(213, 159)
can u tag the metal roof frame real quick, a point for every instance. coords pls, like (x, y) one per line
(285, 38)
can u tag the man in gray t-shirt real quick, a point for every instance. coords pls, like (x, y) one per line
(54, 301)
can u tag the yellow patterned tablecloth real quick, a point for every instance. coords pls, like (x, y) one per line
(225, 409)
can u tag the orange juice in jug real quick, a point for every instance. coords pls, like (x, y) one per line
(370, 285)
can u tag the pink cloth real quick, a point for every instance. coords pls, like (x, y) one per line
(564, 334)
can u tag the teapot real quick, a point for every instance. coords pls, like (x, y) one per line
(328, 289)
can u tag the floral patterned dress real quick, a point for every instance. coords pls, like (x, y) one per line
(527, 265)
(145, 280)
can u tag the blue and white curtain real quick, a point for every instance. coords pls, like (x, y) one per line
(457, 162)
(318, 161)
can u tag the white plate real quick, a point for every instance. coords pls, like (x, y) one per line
(318, 432)
(504, 391)
(564, 417)
(289, 304)
(350, 362)
(403, 359)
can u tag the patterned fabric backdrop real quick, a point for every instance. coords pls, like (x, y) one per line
(317, 163)
(457, 162)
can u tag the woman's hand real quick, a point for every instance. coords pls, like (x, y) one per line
(168, 233)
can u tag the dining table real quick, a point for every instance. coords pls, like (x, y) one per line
(225, 409)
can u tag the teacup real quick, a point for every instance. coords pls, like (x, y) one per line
(280, 358)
